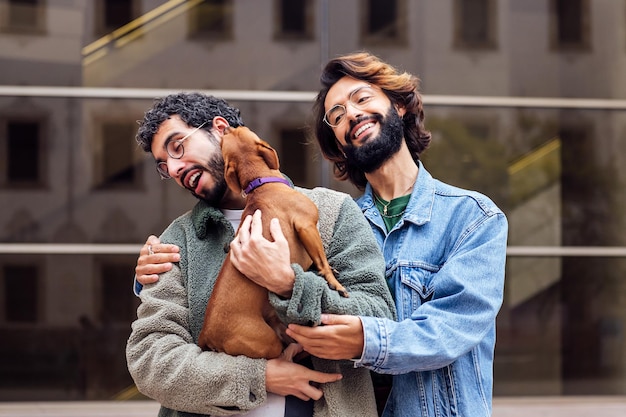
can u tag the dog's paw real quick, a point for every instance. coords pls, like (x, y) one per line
(342, 291)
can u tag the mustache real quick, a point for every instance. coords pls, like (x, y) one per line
(374, 117)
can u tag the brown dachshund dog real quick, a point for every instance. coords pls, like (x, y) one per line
(239, 319)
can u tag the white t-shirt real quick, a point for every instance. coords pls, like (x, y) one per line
(233, 216)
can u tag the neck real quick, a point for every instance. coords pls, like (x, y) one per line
(232, 201)
(395, 177)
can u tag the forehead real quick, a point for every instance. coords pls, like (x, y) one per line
(341, 90)
(170, 126)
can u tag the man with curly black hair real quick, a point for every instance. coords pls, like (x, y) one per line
(183, 133)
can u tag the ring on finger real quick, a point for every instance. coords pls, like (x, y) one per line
(150, 251)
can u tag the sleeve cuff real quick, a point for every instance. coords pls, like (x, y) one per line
(375, 343)
(304, 305)
(136, 286)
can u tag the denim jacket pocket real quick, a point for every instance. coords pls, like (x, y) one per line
(417, 286)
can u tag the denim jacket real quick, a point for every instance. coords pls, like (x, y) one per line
(445, 262)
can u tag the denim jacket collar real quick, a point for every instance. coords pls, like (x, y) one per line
(418, 210)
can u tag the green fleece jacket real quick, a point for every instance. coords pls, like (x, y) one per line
(162, 354)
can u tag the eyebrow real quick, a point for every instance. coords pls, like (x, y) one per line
(350, 94)
(172, 135)
(170, 138)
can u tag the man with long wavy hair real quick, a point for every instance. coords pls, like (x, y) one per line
(445, 248)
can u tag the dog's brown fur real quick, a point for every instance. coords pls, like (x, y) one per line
(239, 319)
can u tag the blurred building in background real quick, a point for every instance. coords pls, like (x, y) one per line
(526, 101)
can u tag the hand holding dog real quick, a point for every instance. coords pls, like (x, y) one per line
(339, 337)
(263, 261)
(283, 377)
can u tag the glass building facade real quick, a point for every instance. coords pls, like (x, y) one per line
(526, 101)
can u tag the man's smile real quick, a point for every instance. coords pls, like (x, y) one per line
(191, 179)
(361, 130)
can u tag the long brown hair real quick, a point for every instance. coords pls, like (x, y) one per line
(402, 89)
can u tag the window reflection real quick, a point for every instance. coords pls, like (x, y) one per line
(70, 171)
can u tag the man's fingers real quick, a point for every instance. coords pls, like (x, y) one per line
(323, 378)
(290, 351)
(160, 248)
(256, 227)
(147, 279)
(299, 331)
(311, 390)
(158, 260)
(334, 319)
(152, 240)
(153, 246)
(243, 235)
(276, 231)
(311, 393)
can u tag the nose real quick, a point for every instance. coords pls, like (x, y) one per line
(175, 167)
(352, 111)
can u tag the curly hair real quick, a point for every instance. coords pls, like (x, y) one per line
(402, 90)
(193, 109)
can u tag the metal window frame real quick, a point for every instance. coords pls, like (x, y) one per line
(308, 96)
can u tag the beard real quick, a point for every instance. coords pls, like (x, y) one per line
(214, 195)
(371, 155)
(215, 169)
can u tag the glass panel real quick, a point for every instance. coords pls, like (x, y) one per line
(293, 16)
(382, 18)
(20, 293)
(570, 21)
(293, 156)
(23, 151)
(23, 13)
(557, 171)
(117, 13)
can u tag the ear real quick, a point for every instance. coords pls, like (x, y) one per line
(401, 110)
(220, 124)
(268, 154)
(231, 177)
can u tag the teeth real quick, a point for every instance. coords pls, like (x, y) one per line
(193, 181)
(362, 129)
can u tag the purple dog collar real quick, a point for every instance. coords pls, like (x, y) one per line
(256, 183)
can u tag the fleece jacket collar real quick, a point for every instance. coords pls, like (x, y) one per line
(207, 219)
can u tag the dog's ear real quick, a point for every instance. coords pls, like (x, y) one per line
(231, 177)
(230, 164)
(268, 154)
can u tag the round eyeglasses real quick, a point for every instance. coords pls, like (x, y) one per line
(357, 99)
(175, 150)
